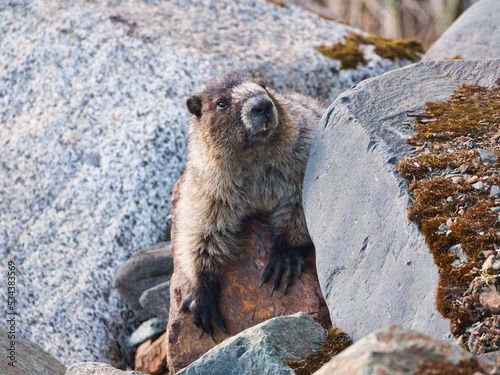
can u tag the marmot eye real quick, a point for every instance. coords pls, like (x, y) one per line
(221, 104)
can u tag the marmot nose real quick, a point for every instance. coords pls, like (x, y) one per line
(264, 107)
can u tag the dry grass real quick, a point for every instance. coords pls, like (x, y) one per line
(424, 20)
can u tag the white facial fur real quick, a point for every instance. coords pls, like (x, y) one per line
(245, 90)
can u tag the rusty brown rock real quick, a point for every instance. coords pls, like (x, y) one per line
(490, 299)
(150, 357)
(242, 302)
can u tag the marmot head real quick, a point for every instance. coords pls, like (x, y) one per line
(234, 113)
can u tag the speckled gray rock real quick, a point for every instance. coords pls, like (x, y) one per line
(374, 266)
(145, 269)
(93, 134)
(261, 349)
(95, 368)
(474, 35)
(22, 357)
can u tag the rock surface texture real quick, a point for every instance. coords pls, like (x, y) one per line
(146, 269)
(474, 35)
(93, 135)
(242, 302)
(95, 368)
(373, 264)
(26, 357)
(261, 349)
(393, 350)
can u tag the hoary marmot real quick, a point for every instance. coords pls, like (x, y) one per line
(247, 151)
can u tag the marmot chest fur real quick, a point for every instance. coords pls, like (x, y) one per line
(247, 151)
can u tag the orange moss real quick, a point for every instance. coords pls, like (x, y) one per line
(448, 142)
(334, 343)
(350, 55)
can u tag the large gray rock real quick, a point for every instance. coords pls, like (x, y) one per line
(395, 350)
(22, 357)
(262, 348)
(93, 135)
(374, 266)
(474, 35)
(144, 270)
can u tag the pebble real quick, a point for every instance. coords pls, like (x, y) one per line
(488, 263)
(449, 199)
(149, 330)
(443, 228)
(463, 168)
(459, 252)
(496, 265)
(479, 186)
(457, 180)
(453, 175)
(488, 253)
(473, 179)
(495, 191)
(495, 209)
(490, 299)
(487, 156)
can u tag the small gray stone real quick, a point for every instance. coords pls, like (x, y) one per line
(479, 186)
(456, 263)
(488, 263)
(449, 199)
(156, 300)
(459, 252)
(495, 191)
(145, 269)
(95, 368)
(495, 209)
(487, 156)
(496, 265)
(149, 330)
(443, 228)
(261, 349)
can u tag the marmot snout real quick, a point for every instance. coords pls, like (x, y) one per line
(247, 151)
(260, 116)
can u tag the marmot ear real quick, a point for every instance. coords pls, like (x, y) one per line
(194, 105)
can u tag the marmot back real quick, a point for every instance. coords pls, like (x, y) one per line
(247, 152)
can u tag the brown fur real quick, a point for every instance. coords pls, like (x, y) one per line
(230, 174)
